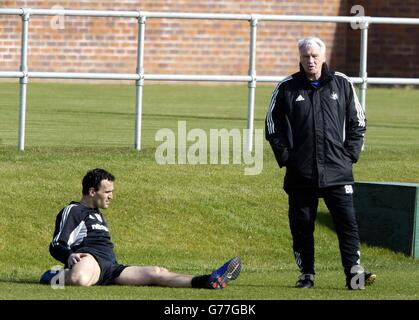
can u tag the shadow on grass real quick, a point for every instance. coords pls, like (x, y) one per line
(20, 281)
(158, 116)
(394, 126)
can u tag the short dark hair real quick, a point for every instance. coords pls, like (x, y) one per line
(93, 178)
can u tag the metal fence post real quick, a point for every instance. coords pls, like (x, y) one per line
(139, 84)
(252, 82)
(24, 79)
(363, 62)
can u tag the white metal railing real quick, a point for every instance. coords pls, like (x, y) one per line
(251, 78)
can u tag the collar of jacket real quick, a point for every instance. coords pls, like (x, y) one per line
(326, 76)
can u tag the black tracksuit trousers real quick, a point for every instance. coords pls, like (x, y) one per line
(303, 205)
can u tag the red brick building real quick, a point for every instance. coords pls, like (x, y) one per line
(204, 46)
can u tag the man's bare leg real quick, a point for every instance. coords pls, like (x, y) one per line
(86, 272)
(148, 276)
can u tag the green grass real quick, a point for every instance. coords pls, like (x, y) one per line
(183, 217)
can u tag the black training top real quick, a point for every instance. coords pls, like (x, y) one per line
(316, 130)
(81, 229)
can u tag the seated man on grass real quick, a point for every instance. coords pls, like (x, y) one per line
(82, 242)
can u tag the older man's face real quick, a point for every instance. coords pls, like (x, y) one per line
(312, 59)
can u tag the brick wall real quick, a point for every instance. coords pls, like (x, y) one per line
(197, 46)
(392, 49)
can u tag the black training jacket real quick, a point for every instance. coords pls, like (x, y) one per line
(81, 229)
(316, 133)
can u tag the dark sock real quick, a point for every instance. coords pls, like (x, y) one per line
(200, 281)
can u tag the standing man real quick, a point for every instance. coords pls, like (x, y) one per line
(83, 244)
(315, 126)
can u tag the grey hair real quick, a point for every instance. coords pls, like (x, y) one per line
(308, 42)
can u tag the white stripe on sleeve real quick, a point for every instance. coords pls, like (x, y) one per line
(269, 120)
(359, 110)
(64, 218)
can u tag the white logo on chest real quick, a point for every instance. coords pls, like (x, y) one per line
(99, 227)
(299, 98)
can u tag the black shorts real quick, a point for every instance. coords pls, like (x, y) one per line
(109, 271)
(109, 268)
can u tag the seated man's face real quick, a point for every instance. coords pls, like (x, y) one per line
(103, 196)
